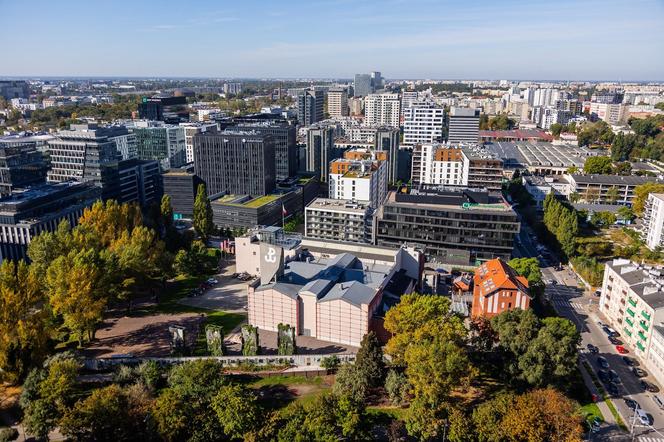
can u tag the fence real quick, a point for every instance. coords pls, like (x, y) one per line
(104, 364)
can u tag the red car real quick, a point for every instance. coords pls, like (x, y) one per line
(622, 350)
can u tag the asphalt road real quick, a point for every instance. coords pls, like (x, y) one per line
(572, 301)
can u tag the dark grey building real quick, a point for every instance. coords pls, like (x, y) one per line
(454, 226)
(14, 89)
(387, 139)
(133, 180)
(232, 211)
(320, 151)
(81, 153)
(310, 106)
(235, 162)
(362, 86)
(21, 165)
(464, 126)
(171, 110)
(283, 133)
(23, 215)
(182, 184)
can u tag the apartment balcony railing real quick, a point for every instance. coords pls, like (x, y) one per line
(630, 312)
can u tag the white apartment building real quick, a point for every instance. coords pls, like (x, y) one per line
(364, 180)
(653, 221)
(407, 99)
(423, 123)
(339, 220)
(382, 110)
(337, 102)
(633, 302)
(433, 164)
(609, 112)
(190, 130)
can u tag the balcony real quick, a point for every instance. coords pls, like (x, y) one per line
(632, 302)
(642, 336)
(645, 315)
(630, 312)
(643, 325)
(627, 331)
(641, 347)
(629, 321)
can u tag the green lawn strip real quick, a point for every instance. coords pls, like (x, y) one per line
(287, 380)
(602, 392)
(382, 413)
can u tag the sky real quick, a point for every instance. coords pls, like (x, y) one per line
(403, 39)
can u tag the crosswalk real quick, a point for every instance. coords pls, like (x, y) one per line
(566, 303)
(649, 439)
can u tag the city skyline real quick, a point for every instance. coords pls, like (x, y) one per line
(608, 41)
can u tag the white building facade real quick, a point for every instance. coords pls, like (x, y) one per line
(653, 221)
(423, 123)
(382, 110)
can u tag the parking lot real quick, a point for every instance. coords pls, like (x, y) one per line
(228, 294)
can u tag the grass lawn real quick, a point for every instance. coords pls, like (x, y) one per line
(591, 411)
(386, 413)
(288, 381)
(606, 398)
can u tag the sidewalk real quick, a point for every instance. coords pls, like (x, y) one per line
(601, 403)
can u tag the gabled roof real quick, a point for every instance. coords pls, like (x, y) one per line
(496, 275)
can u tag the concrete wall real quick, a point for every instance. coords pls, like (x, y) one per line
(342, 322)
(268, 308)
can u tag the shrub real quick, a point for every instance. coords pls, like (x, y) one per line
(330, 362)
(8, 434)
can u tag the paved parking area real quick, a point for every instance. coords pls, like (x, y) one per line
(229, 295)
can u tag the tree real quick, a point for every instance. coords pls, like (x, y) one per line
(166, 212)
(351, 382)
(369, 360)
(598, 165)
(603, 219)
(528, 267)
(396, 386)
(641, 195)
(612, 194)
(625, 213)
(237, 410)
(24, 328)
(171, 414)
(572, 170)
(203, 213)
(197, 379)
(574, 197)
(660, 105)
(487, 418)
(424, 421)
(556, 129)
(516, 329)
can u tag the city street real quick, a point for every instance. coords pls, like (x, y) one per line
(572, 301)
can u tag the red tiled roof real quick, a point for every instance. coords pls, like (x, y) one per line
(495, 275)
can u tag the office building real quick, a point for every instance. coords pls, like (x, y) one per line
(21, 165)
(387, 140)
(497, 288)
(235, 162)
(632, 301)
(182, 185)
(382, 110)
(160, 141)
(423, 123)
(653, 221)
(10, 89)
(232, 88)
(464, 126)
(247, 211)
(133, 180)
(337, 102)
(376, 81)
(364, 180)
(283, 133)
(82, 152)
(320, 151)
(606, 189)
(362, 85)
(190, 130)
(455, 226)
(335, 300)
(356, 105)
(26, 214)
(171, 110)
(339, 220)
(310, 106)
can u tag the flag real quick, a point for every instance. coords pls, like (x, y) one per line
(283, 210)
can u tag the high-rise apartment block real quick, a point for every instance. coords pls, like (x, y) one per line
(320, 151)
(464, 126)
(339, 220)
(232, 88)
(356, 105)
(382, 110)
(337, 102)
(310, 106)
(236, 162)
(364, 180)
(362, 85)
(610, 112)
(387, 140)
(423, 123)
(653, 221)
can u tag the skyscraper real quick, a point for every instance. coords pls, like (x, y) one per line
(362, 85)
(237, 162)
(387, 139)
(376, 81)
(464, 126)
(337, 102)
(382, 109)
(320, 151)
(310, 106)
(423, 123)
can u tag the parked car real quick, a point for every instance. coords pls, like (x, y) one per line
(614, 377)
(632, 404)
(603, 376)
(592, 348)
(595, 425)
(647, 386)
(643, 417)
(622, 350)
(602, 362)
(612, 389)
(639, 372)
(212, 281)
(658, 400)
(615, 341)
(629, 361)
(598, 293)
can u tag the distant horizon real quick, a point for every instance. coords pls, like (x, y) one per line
(323, 39)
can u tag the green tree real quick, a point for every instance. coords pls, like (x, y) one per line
(556, 129)
(528, 267)
(396, 386)
(641, 195)
(237, 410)
(487, 418)
(603, 219)
(598, 165)
(572, 170)
(351, 382)
(625, 213)
(612, 194)
(516, 329)
(203, 213)
(166, 212)
(196, 379)
(369, 360)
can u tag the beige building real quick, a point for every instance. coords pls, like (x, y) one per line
(337, 299)
(337, 103)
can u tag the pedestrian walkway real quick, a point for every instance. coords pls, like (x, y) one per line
(565, 303)
(650, 439)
